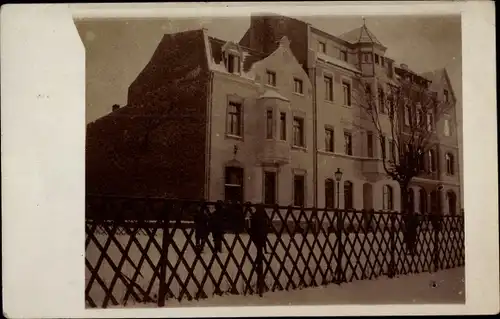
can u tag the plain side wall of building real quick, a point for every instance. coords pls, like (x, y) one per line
(167, 103)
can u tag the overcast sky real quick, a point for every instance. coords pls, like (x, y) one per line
(117, 50)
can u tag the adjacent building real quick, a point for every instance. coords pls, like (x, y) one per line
(269, 119)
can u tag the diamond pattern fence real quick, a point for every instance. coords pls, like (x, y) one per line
(151, 250)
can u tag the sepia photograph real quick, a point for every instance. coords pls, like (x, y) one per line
(272, 159)
(249, 159)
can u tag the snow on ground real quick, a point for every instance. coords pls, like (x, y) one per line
(443, 287)
(241, 264)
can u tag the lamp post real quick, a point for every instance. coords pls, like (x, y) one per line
(338, 178)
(339, 274)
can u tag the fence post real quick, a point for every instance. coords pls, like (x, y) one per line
(393, 232)
(436, 225)
(162, 293)
(339, 272)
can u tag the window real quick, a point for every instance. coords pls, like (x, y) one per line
(271, 78)
(233, 63)
(347, 143)
(382, 146)
(322, 47)
(392, 149)
(234, 119)
(283, 126)
(329, 193)
(450, 164)
(234, 184)
(446, 97)
(369, 141)
(452, 203)
(348, 195)
(421, 161)
(298, 132)
(376, 58)
(382, 61)
(447, 129)
(367, 57)
(346, 88)
(269, 188)
(343, 55)
(407, 115)
(381, 98)
(423, 201)
(420, 117)
(298, 87)
(328, 88)
(392, 103)
(269, 124)
(298, 190)
(368, 90)
(329, 139)
(430, 122)
(432, 160)
(388, 196)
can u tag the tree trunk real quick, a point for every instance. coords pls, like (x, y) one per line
(405, 198)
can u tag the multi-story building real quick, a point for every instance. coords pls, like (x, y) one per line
(269, 119)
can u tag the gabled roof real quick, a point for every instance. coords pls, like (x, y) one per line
(360, 35)
(249, 57)
(436, 75)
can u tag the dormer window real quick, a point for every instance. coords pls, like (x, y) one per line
(446, 97)
(322, 47)
(271, 78)
(343, 55)
(233, 64)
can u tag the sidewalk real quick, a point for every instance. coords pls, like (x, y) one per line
(444, 287)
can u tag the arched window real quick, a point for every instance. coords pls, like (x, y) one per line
(452, 202)
(388, 196)
(422, 194)
(348, 195)
(450, 164)
(329, 193)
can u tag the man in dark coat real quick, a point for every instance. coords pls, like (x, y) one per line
(201, 227)
(217, 225)
(259, 227)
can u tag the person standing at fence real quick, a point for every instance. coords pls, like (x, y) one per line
(259, 227)
(217, 225)
(201, 227)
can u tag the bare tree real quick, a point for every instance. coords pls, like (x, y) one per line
(404, 117)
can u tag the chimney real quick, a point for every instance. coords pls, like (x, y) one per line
(115, 107)
(404, 66)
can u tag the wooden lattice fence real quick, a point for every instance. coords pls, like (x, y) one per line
(142, 250)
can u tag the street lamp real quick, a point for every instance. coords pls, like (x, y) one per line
(338, 178)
